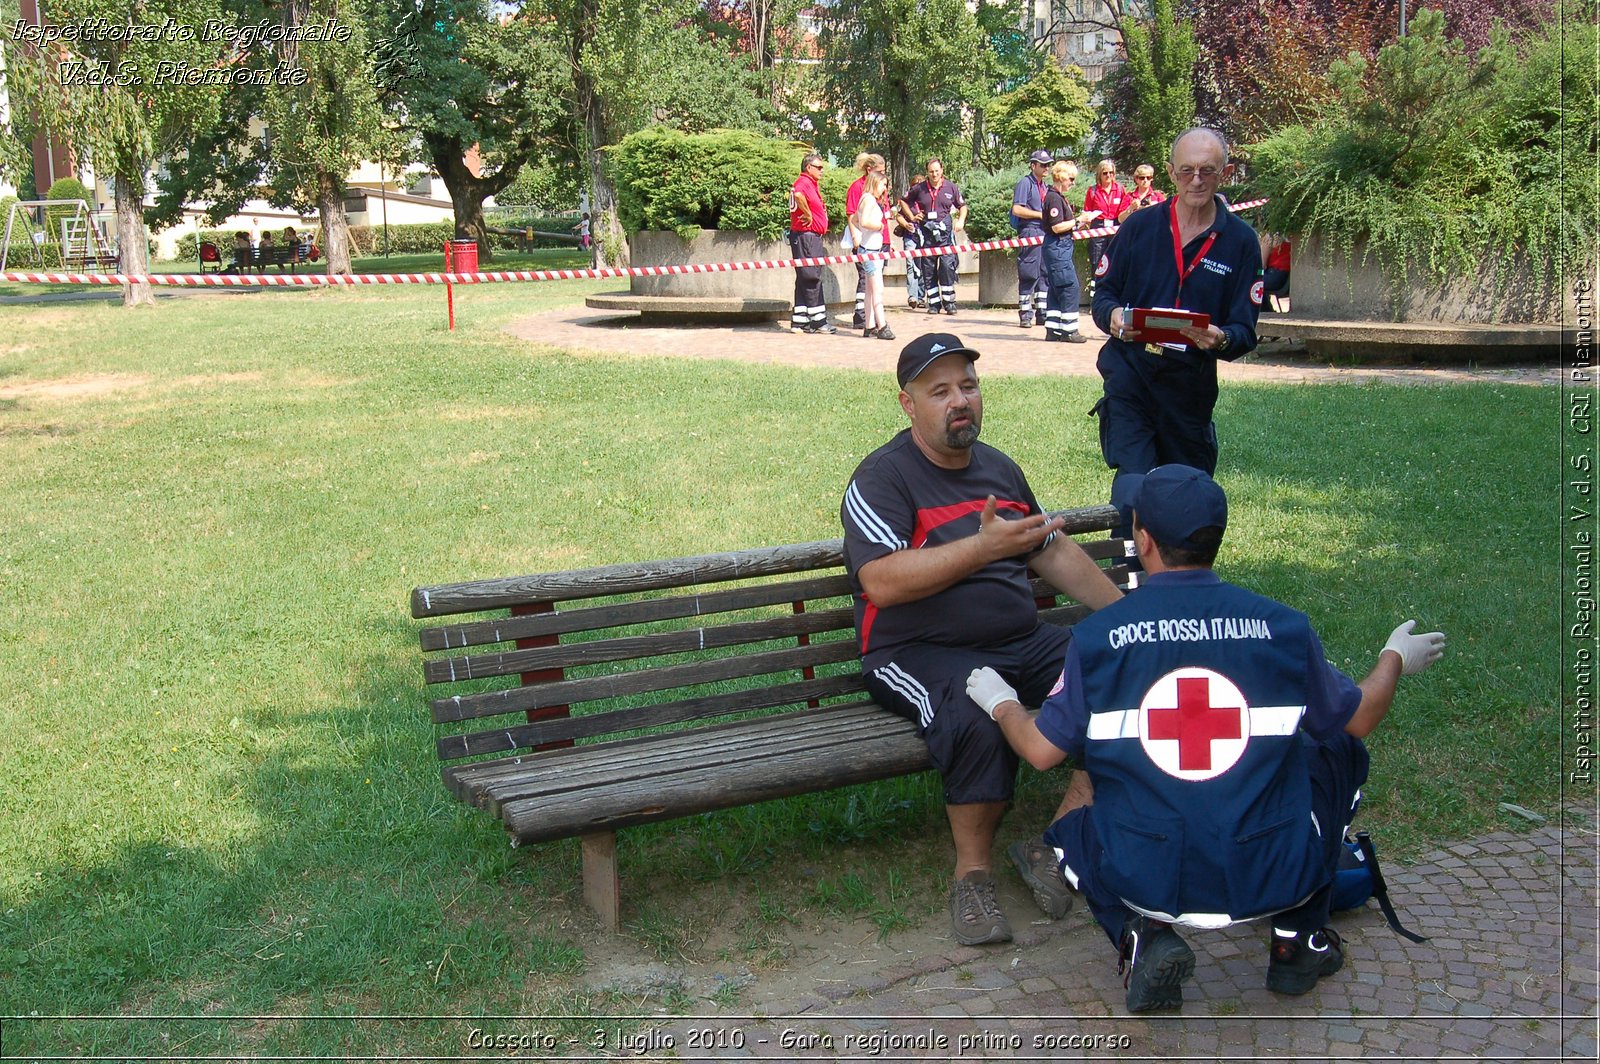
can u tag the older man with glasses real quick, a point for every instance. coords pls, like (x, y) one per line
(1191, 254)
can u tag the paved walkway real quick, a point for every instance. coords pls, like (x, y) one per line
(1006, 348)
(1508, 973)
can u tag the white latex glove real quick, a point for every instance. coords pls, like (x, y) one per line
(986, 688)
(1416, 652)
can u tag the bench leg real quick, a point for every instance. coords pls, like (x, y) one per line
(601, 886)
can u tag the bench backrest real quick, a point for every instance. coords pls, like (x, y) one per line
(656, 644)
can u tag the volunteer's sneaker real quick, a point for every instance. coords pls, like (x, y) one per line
(1075, 338)
(1298, 961)
(825, 329)
(1040, 868)
(1155, 964)
(975, 916)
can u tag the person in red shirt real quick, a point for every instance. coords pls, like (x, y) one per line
(1144, 192)
(1109, 198)
(808, 220)
(1275, 277)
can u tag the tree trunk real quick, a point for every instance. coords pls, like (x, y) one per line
(133, 243)
(335, 227)
(609, 242)
(467, 192)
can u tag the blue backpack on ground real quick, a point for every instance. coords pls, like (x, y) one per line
(1359, 878)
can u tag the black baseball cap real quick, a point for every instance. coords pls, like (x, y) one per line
(920, 353)
(1041, 156)
(1176, 501)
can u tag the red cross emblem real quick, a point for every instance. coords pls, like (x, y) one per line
(1195, 723)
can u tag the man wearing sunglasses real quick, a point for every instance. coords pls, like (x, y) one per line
(808, 220)
(1190, 253)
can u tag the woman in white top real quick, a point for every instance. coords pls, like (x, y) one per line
(869, 222)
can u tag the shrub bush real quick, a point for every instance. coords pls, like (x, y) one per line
(989, 203)
(722, 179)
(1434, 184)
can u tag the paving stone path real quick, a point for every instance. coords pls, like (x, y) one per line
(1508, 974)
(1006, 348)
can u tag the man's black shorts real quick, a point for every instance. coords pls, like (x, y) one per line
(927, 684)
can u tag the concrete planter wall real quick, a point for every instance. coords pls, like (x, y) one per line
(1346, 288)
(997, 276)
(710, 245)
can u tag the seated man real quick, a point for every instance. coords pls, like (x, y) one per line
(939, 533)
(1223, 753)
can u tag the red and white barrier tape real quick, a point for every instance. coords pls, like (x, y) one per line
(310, 280)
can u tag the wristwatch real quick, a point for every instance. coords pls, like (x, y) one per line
(1222, 348)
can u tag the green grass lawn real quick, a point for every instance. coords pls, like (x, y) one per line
(221, 791)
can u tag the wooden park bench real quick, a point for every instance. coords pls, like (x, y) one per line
(664, 689)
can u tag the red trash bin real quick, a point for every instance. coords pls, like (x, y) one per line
(463, 257)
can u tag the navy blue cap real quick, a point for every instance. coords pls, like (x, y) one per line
(1175, 501)
(1041, 156)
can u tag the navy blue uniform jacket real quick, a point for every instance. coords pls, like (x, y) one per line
(1138, 270)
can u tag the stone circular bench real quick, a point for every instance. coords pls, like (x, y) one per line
(1438, 341)
(679, 309)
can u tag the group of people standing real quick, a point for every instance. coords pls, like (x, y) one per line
(1047, 280)
(1219, 755)
(929, 215)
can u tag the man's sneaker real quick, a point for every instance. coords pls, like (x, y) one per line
(1155, 964)
(1027, 323)
(975, 916)
(1298, 961)
(1075, 338)
(826, 328)
(950, 308)
(1040, 868)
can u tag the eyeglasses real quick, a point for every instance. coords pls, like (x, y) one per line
(1108, 173)
(1144, 177)
(1189, 173)
(814, 166)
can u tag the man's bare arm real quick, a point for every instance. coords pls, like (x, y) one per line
(1072, 572)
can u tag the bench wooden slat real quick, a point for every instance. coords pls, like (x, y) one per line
(626, 579)
(793, 768)
(569, 692)
(636, 647)
(635, 577)
(588, 619)
(591, 725)
(731, 744)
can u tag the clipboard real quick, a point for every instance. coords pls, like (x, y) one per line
(1161, 324)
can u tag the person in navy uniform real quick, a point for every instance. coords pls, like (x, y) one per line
(942, 213)
(940, 532)
(1190, 253)
(1027, 214)
(1222, 754)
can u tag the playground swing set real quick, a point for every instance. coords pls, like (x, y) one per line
(51, 232)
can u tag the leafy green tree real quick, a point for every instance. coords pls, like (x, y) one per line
(1434, 188)
(496, 84)
(1051, 110)
(897, 75)
(108, 97)
(323, 125)
(636, 64)
(1160, 68)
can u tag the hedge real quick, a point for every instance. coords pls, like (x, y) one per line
(722, 179)
(415, 238)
